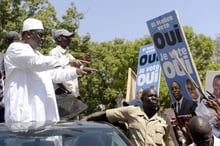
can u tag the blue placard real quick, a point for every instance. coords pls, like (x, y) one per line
(168, 36)
(148, 72)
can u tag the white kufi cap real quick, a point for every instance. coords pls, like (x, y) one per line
(32, 24)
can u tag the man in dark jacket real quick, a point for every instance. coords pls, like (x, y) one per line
(182, 106)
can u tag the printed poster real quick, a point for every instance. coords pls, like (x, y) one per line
(170, 42)
(148, 71)
(212, 83)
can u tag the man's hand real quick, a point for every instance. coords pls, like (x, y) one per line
(85, 70)
(75, 63)
(78, 63)
(214, 105)
(84, 63)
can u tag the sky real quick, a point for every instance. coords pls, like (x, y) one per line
(106, 20)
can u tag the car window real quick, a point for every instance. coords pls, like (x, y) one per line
(31, 141)
(66, 137)
(97, 138)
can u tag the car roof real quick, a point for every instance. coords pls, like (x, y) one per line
(69, 130)
(60, 125)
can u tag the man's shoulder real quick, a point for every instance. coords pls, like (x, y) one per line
(129, 110)
(55, 51)
(188, 101)
(163, 116)
(18, 46)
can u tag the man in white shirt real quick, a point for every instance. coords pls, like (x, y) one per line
(62, 38)
(29, 93)
(192, 91)
(201, 109)
(182, 105)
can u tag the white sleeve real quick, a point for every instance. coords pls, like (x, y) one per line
(61, 75)
(24, 57)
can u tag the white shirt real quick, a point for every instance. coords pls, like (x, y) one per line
(204, 111)
(29, 93)
(180, 104)
(63, 53)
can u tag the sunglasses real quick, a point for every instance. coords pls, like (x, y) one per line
(40, 35)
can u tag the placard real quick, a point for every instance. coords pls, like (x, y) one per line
(148, 72)
(170, 43)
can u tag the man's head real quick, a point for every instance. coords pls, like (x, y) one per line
(63, 37)
(150, 99)
(200, 131)
(139, 93)
(192, 90)
(216, 86)
(11, 36)
(33, 32)
(176, 90)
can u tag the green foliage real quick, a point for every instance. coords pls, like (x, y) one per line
(216, 57)
(14, 12)
(112, 59)
(202, 49)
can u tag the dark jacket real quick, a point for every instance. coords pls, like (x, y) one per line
(187, 107)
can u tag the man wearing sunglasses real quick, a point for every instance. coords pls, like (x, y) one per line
(146, 126)
(62, 38)
(29, 93)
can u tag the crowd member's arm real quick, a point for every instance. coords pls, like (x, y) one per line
(214, 105)
(169, 137)
(26, 58)
(101, 116)
(97, 116)
(60, 75)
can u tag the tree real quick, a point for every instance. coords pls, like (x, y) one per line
(71, 22)
(202, 49)
(112, 59)
(216, 56)
(14, 12)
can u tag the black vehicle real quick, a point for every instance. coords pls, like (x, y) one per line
(77, 133)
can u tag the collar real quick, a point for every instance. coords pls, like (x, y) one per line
(180, 101)
(62, 50)
(153, 118)
(197, 100)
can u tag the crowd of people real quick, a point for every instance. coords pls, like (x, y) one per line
(146, 125)
(29, 93)
(30, 82)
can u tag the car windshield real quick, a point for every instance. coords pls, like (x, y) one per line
(65, 137)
